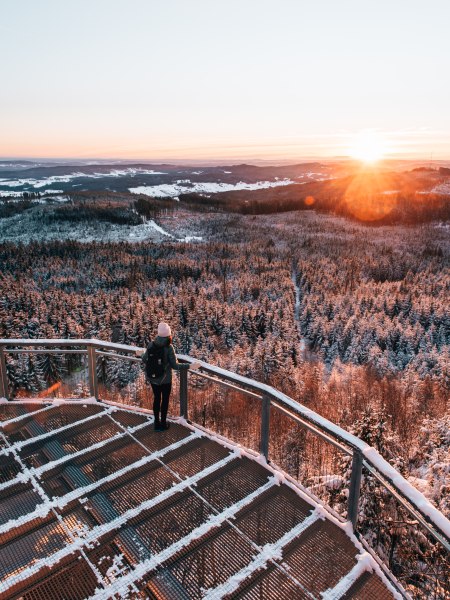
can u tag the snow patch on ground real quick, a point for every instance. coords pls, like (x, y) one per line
(39, 183)
(14, 194)
(442, 189)
(184, 186)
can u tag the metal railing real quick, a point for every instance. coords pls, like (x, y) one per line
(337, 469)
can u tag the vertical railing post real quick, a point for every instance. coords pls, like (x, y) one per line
(184, 391)
(4, 388)
(265, 426)
(92, 365)
(355, 487)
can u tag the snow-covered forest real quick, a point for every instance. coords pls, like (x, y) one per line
(346, 318)
(350, 320)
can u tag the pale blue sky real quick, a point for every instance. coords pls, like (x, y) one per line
(234, 79)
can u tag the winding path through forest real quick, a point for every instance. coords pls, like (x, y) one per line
(297, 312)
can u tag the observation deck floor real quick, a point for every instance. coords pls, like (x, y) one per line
(95, 503)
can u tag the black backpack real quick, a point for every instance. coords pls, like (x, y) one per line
(154, 364)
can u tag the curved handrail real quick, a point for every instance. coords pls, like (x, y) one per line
(435, 522)
(372, 458)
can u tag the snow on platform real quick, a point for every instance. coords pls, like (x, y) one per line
(95, 504)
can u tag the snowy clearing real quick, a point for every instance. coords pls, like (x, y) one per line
(186, 186)
(39, 183)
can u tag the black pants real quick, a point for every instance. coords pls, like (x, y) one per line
(161, 391)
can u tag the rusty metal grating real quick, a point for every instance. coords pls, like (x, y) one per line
(275, 513)
(70, 581)
(155, 440)
(9, 468)
(171, 521)
(10, 410)
(208, 563)
(129, 419)
(270, 583)
(137, 486)
(17, 500)
(25, 546)
(199, 455)
(50, 420)
(69, 441)
(318, 558)
(368, 587)
(93, 466)
(232, 483)
(101, 505)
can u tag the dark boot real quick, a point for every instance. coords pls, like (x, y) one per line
(164, 426)
(157, 423)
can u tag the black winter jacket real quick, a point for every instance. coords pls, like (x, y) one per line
(170, 359)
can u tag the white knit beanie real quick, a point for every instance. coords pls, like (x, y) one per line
(164, 330)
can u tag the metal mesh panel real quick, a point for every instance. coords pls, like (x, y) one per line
(121, 548)
(27, 544)
(320, 557)
(108, 559)
(122, 380)
(155, 440)
(88, 434)
(208, 562)
(113, 461)
(368, 587)
(129, 419)
(91, 467)
(171, 520)
(77, 520)
(162, 587)
(8, 468)
(46, 421)
(11, 410)
(232, 483)
(274, 514)
(61, 374)
(194, 457)
(150, 532)
(17, 500)
(78, 437)
(65, 414)
(270, 583)
(71, 581)
(138, 486)
(55, 485)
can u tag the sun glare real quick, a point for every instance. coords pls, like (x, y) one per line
(368, 147)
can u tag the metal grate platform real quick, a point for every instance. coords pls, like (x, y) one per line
(95, 503)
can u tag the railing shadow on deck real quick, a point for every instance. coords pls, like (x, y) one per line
(409, 537)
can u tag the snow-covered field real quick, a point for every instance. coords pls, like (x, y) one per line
(184, 186)
(40, 183)
(443, 188)
(153, 180)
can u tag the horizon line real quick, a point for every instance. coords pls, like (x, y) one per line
(218, 161)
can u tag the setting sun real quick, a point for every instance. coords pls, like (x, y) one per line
(368, 147)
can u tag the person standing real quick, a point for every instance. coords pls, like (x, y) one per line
(159, 360)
